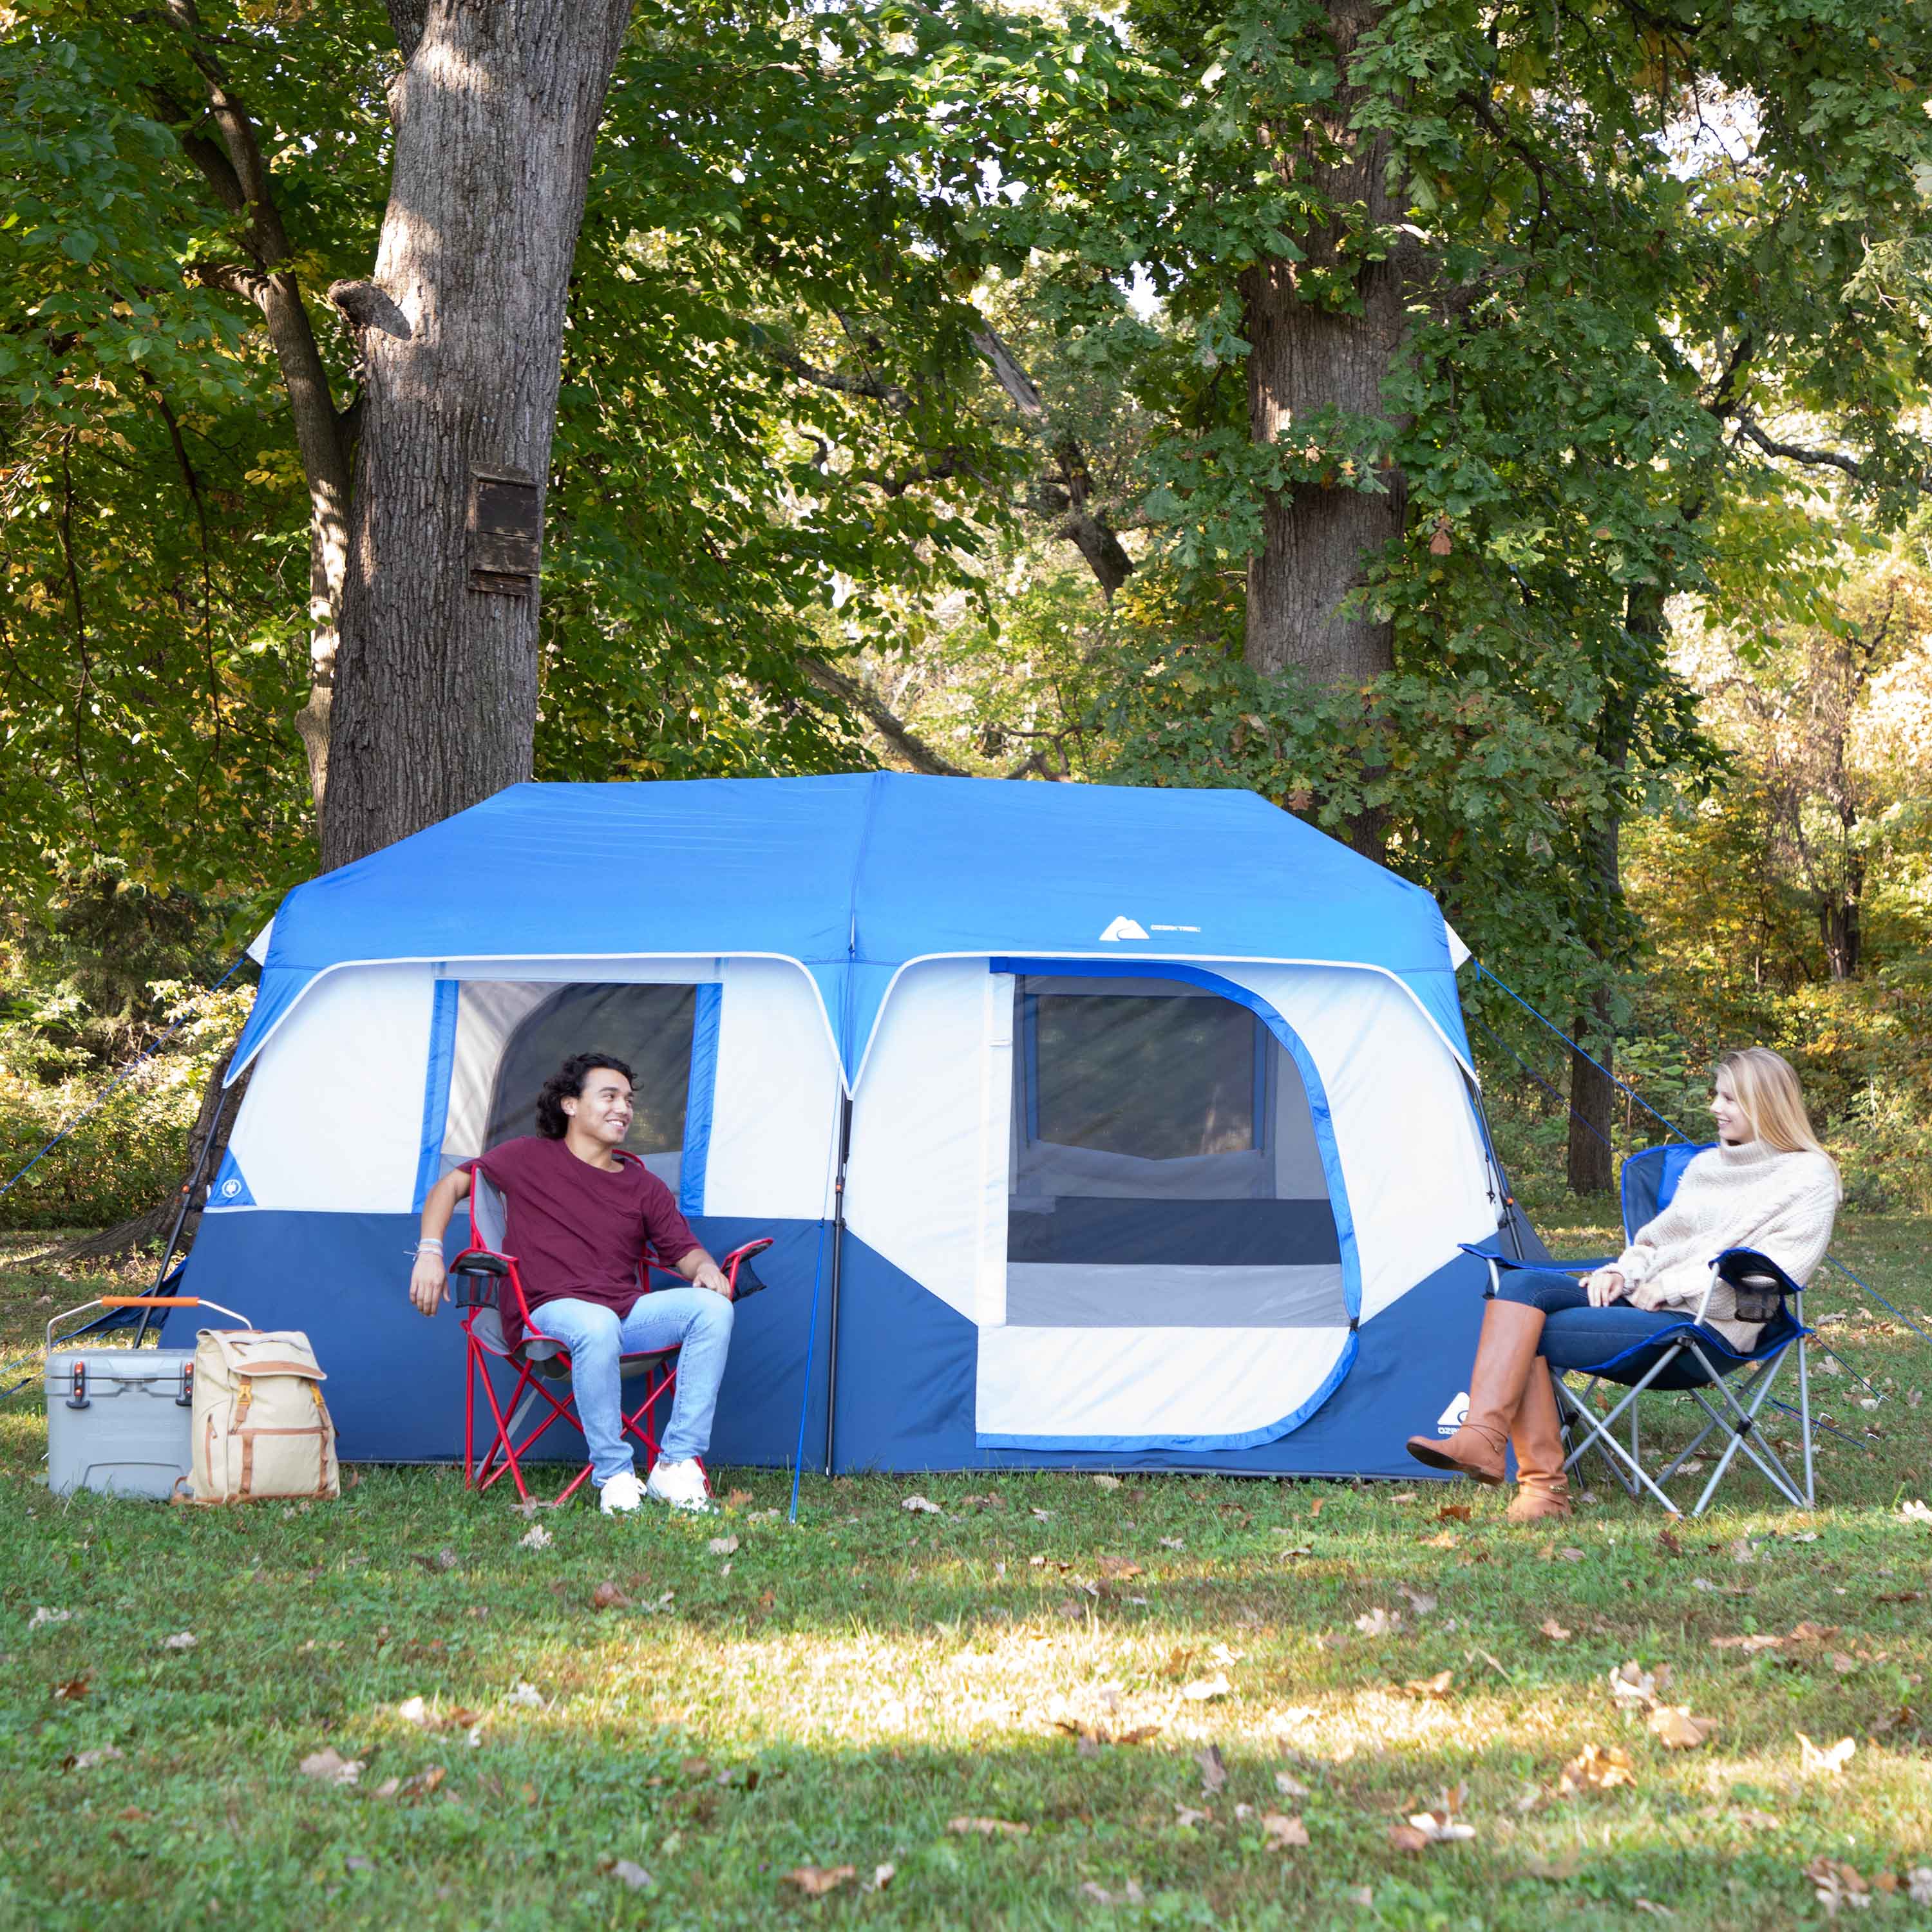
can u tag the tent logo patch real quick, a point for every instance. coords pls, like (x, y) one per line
(1453, 1417)
(1124, 928)
(229, 1188)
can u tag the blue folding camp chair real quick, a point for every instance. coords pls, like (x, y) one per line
(1689, 1358)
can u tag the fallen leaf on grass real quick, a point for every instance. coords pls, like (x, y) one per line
(1407, 1838)
(1446, 1539)
(74, 1688)
(1555, 1631)
(738, 1498)
(1214, 1769)
(1131, 1894)
(1915, 1512)
(1751, 1643)
(1283, 1831)
(87, 1760)
(815, 1881)
(1651, 1905)
(625, 1872)
(536, 1538)
(1430, 1687)
(1454, 1513)
(1185, 1815)
(722, 1545)
(694, 1767)
(1106, 1482)
(1419, 1601)
(522, 1696)
(1435, 1828)
(1823, 1761)
(43, 1616)
(1757, 1821)
(1675, 1728)
(987, 1828)
(181, 1640)
(328, 1766)
(1568, 1554)
(915, 1506)
(443, 1559)
(1379, 1622)
(1042, 1515)
(1289, 1786)
(1918, 1885)
(882, 1877)
(1119, 1569)
(1564, 1867)
(1405, 1496)
(1631, 1683)
(423, 1785)
(1600, 1767)
(1834, 1885)
(1172, 1542)
(1204, 1688)
(606, 1596)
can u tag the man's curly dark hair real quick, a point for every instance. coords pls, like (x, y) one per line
(567, 1083)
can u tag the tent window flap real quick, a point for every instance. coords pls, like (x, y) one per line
(512, 1035)
(1164, 1170)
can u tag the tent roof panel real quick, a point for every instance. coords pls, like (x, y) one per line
(853, 876)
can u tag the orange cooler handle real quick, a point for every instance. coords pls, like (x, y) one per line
(151, 1301)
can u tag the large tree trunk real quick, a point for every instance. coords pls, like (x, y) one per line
(1306, 359)
(461, 335)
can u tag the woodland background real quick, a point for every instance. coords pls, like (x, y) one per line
(1014, 390)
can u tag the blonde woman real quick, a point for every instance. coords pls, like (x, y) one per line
(1767, 1186)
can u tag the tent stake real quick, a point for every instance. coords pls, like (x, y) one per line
(838, 1259)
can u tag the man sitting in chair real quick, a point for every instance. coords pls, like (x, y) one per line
(580, 1213)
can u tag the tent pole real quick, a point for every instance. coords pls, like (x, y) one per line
(838, 1257)
(1507, 1225)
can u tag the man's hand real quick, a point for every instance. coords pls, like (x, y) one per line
(710, 1275)
(1603, 1287)
(429, 1284)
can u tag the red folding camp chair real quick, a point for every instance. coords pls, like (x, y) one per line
(483, 1280)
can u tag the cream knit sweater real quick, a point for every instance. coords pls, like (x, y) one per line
(1747, 1196)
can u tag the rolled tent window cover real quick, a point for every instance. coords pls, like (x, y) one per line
(1164, 1170)
(512, 1035)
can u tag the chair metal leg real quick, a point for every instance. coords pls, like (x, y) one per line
(1804, 1404)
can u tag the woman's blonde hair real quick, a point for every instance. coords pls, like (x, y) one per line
(1766, 1087)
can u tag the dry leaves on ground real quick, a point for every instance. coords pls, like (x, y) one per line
(1555, 1631)
(1599, 1768)
(1289, 1786)
(1379, 1622)
(1204, 1690)
(1915, 1512)
(815, 1881)
(1213, 1770)
(919, 1506)
(987, 1828)
(1454, 1513)
(1283, 1831)
(328, 1766)
(440, 1560)
(1419, 1601)
(87, 1760)
(625, 1872)
(1429, 1688)
(425, 1784)
(73, 1689)
(606, 1596)
(722, 1545)
(1674, 1727)
(1823, 1760)
(1130, 1894)
(181, 1640)
(738, 1498)
(536, 1538)
(1106, 1482)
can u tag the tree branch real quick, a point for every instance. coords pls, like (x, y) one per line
(895, 397)
(1748, 426)
(917, 752)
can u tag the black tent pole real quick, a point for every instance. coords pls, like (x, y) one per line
(838, 1259)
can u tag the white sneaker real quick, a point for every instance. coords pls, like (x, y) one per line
(680, 1484)
(622, 1495)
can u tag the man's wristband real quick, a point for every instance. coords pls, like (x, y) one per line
(430, 1244)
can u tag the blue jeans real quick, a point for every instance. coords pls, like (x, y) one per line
(695, 1321)
(1575, 1335)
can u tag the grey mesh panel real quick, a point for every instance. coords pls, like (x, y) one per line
(1067, 1294)
(1159, 1094)
(487, 1012)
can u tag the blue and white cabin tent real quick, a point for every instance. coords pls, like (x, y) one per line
(1162, 1129)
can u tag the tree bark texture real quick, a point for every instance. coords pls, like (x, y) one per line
(1306, 358)
(436, 692)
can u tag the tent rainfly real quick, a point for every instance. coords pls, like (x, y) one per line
(1150, 1112)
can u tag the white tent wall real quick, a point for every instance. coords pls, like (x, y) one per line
(1411, 1153)
(332, 1119)
(928, 1183)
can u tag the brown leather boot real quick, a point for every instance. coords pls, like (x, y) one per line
(1505, 1354)
(1542, 1490)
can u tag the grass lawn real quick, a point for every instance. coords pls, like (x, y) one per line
(1167, 1701)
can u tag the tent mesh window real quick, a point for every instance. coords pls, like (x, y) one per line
(512, 1035)
(1165, 1170)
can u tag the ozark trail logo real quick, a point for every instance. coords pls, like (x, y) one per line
(1453, 1417)
(1124, 928)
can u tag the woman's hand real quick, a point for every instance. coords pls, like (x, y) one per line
(429, 1285)
(1647, 1298)
(1603, 1287)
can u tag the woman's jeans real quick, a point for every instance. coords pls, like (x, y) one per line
(696, 1321)
(1575, 1335)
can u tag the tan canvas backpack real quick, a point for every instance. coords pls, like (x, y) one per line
(260, 1426)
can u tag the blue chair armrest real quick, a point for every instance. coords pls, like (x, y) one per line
(1508, 1261)
(1737, 1264)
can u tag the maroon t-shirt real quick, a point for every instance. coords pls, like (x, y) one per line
(578, 1232)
